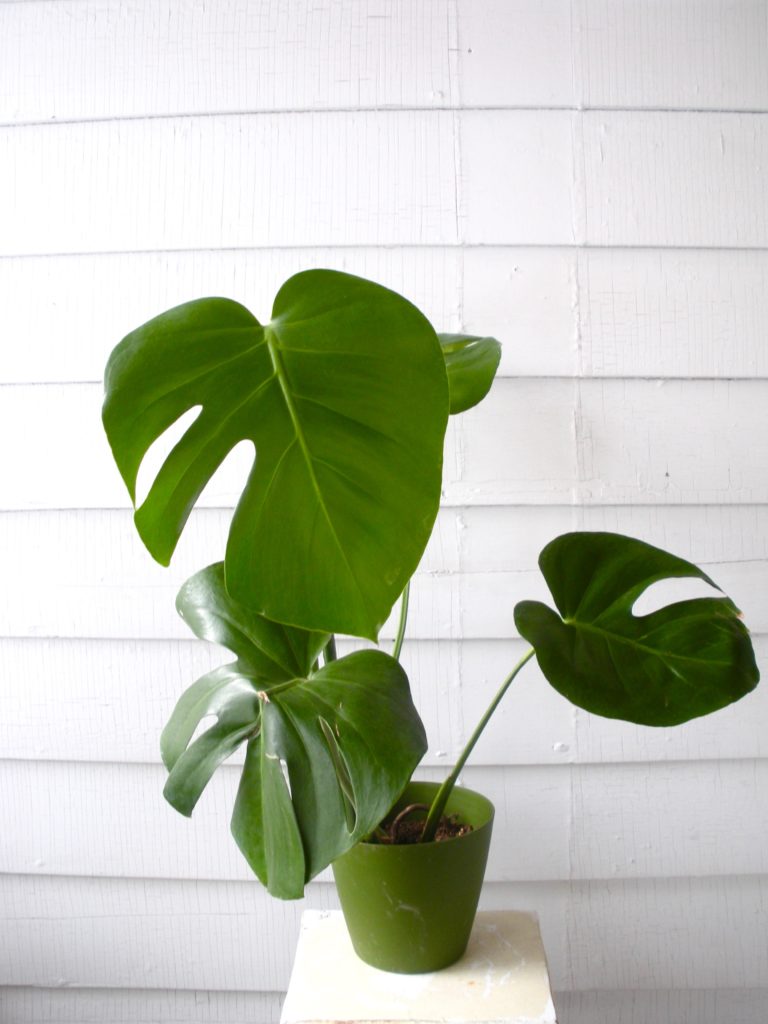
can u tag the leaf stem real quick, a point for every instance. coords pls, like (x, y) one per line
(329, 651)
(403, 619)
(442, 795)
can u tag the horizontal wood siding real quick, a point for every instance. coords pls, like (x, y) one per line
(616, 832)
(582, 178)
(164, 932)
(542, 177)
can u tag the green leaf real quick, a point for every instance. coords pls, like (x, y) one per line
(344, 395)
(684, 660)
(265, 828)
(210, 695)
(267, 653)
(348, 735)
(328, 753)
(270, 650)
(237, 712)
(471, 363)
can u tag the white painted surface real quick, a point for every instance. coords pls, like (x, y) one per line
(599, 312)
(156, 934)
(616, 833)
(501, 977)
(137, 1006)
(584, 179)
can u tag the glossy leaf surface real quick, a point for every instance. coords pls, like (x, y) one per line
(356, 711)
(344, 396)
(328, 752)
(471, 363)
(684, 660)
(271, 651)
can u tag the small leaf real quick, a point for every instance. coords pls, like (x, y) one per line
(210, 695)
(471, 363)
(238, 718)
(682, 661)
(271, 650)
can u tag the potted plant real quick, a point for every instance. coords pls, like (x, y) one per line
(346, 395)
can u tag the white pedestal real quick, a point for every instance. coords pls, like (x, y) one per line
(502, 977)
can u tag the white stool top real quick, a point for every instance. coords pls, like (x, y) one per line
(502, 977)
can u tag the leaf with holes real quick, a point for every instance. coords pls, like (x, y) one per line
(344, 395)
(334, 753)
(685, 660)
(329, 751)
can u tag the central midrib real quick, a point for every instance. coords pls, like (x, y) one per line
(626, 640)
(282, 378)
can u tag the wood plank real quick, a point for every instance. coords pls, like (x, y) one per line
(515, 54)
(669, 934)
(81, 307)
(532, 442)
(383, 178)
(94, 60)
(105, 933)
(526, 157)
(528, 298)
(592, 312)
(127, 1006)
(673, 1006)
(639, 189)
(682, 313)
(117, 824)
(670, 820)
(92, 545)
(75, 60)
(113, 698)
(420, 178)
(86, 573)
(688, 55)
(207, 936)
(553, 823)
(197, 936)
(648, 442)
(137, 1006)
(472, 606)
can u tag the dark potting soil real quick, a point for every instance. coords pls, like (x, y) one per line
(404, 829)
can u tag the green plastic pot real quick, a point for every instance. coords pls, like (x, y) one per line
(410, 909)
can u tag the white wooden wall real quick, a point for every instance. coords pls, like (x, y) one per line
(584, 178)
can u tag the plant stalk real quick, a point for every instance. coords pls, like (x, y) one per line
(441, 797)
(403, 619)
(329, 651)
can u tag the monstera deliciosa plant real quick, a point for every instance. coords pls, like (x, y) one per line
(345, 395)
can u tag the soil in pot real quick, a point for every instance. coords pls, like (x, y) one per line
(408, 824)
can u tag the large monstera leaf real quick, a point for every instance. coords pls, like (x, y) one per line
(329, 749)
(684, 660)
(344, 395)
